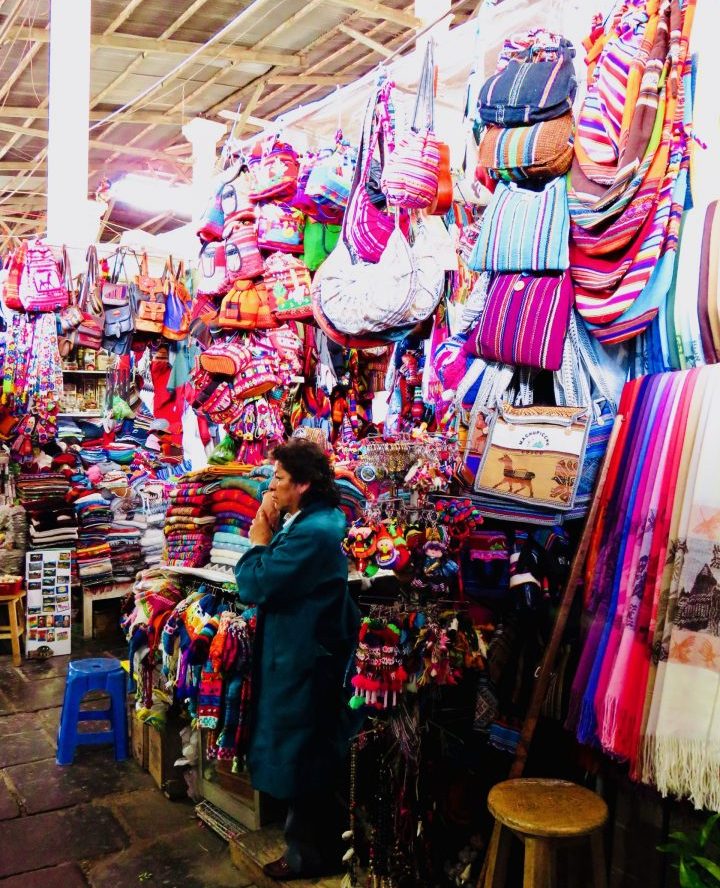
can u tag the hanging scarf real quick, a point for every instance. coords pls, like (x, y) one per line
(635, 574)
(687, 737)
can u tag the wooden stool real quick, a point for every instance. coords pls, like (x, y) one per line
(544, 815)
(16, 625)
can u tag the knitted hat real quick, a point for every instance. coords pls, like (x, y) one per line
(213, 221)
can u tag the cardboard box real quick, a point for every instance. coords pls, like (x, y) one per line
(139, 740)
(164, 748)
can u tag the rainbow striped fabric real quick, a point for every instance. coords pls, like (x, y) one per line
(629, 182)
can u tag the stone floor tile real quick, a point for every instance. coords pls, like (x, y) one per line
(193, 858)
(12, 682)
(28, 746)
(148, 814)
(17, 723)
(8, 805)
(44, 840)
(40, 695)
(49, 718)
(7, 707)
(67, 875)
(45, 786)
(34, 670)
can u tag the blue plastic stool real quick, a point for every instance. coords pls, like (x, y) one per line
(94, 674)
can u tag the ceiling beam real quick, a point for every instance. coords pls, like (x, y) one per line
(123, 16)
(309, 79)
(168, 32)
(96, 144)
(156, 118)
(20, 166)
(160, 46)
(359, 37)
(242, 18)
(374, 10)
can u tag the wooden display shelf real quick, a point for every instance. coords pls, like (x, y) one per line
(92, 414)
(202, 573)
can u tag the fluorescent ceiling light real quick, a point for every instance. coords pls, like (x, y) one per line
(153, 194)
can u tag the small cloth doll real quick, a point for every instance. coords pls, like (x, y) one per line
(361, 543)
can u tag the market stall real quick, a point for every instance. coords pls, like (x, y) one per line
(457, 276)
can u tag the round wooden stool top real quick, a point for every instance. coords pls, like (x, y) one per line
(547, 808)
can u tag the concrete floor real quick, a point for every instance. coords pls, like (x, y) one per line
(98, 822)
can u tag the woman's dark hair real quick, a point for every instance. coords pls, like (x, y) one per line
(306, 463)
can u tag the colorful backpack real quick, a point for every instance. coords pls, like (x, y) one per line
(280, 227)
(178, 301)
(246, 307)
(40, 286)
(274, 169)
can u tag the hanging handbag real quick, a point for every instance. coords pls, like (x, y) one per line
(246, 307)
(176, 321)
(274, 170)
(242, 254)
(11, 287)
(280, 227)
(403, 288)
(367, 226)
(540, 151)
(288, 282)
(332, 175)
(410, 176)
(538, 83)
(151, 314)
(319, 240)
(71, 316)
(151, 309)
(146, 283)
(534, 454)
(523, 230)
(89, 332)
(113, 292)
(41, 288)
(524, 320)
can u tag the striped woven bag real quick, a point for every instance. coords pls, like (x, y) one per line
(543, 150)
(411, 175)
(523, 230)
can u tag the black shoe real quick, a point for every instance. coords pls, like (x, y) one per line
(281, 871)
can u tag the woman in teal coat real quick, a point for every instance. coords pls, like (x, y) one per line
(296, 573)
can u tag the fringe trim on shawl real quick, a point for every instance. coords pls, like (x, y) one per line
(689, 768)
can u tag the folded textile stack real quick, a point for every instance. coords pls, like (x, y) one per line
(95, 565)
(44, 496)
(234, 503)
(69, 430)
(125, 550)
(188, 525)
(94, 520)
(13, 539)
